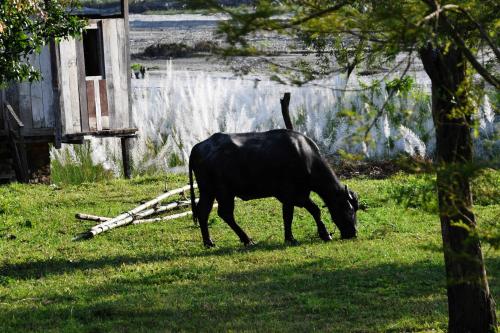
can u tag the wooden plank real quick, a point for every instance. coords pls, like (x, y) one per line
(47, 88)
(124, 70)
(56, 88)
(20, 161)
(65, 93)
(117, 72)
(24, 109)
(36, 97)
(97, 105)
(17, 146)
(128, 132)
(12, 96)
(91, 105)
(38, 132)
(104, 104)
(110, 57)
(12, 117)
(69, 86)
(82, 86)
(75, 95)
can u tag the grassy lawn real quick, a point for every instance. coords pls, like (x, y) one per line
(158, 277)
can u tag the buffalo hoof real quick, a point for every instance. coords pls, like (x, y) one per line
(249, 243)
(209, 244)
(291, 242)
(326, 237)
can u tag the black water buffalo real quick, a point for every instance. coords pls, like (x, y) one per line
(280, 163)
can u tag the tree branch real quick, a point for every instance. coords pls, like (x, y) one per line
(435, 14)
(389, 97)
(483, 33)
(316, 14)
(434, 5)
(468, 54)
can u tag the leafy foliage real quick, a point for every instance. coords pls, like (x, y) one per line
(419, 191)
(25, 28)
(348, 34)
(415, 191)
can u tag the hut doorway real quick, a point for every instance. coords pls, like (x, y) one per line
(96, 110)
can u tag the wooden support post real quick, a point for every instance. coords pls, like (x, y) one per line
(21, 167)
(55, 58)
(21, 148)
(17, 145)
(127, 167)
(285, 103)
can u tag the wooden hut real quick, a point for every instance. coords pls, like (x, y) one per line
(85, 91)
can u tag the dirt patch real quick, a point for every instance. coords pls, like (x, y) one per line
(379, 169)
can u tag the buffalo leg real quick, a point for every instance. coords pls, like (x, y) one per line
(287, 219)
(203, 209)
(313, 209)
(226, 212)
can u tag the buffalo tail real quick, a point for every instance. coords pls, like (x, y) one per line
(193, 195)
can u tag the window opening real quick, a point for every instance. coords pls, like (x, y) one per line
(93, 52)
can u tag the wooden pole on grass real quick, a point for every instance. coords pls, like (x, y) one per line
(166, 218)
(127, 217)
(88, 217)
(147, 212)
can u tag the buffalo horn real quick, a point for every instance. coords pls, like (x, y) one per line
(349, 194)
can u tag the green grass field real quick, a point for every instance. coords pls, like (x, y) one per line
(159, 278)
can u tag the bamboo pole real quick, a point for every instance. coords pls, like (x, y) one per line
(127, 217)
(165, 218)
(161, 209)
(151, 211)
(88, 217)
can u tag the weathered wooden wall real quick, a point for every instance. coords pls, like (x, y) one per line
(100, 103)
(116, 57)
(85, 103)
(42, 92)
(69, 81)
(34, 102)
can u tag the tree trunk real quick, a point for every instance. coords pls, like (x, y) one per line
(470, 304)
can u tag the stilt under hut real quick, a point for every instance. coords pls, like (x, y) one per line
(85, 91)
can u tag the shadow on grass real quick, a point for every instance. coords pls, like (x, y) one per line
(311, 296)
(289, 297)
(56, 266)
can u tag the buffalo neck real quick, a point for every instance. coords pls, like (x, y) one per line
(326, 184)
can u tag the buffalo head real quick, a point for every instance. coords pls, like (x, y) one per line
(345, 213)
